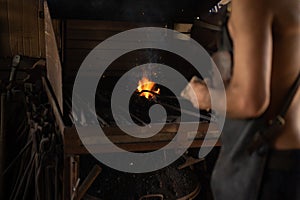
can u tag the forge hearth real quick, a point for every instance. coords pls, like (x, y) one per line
(75, 37)
(147, 88)
(142, 100)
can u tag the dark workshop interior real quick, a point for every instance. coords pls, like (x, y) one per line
(43, 43)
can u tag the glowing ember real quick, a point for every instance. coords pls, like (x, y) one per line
(145, 85)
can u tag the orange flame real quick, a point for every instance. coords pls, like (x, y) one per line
(146, 85)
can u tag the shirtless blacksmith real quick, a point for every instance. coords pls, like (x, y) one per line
(266, 39)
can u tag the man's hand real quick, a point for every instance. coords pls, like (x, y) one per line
(197, 93)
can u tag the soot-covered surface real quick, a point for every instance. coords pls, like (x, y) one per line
(170, 182)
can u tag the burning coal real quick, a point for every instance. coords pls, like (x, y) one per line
(147, 88)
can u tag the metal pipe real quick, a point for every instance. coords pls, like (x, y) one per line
(188, 112)
(20, 184)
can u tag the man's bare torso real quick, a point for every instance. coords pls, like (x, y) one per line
(285, 68)
(285, 64)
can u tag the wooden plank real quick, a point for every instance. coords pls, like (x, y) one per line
(54, 69)
(70, 77)
(89, 34)
(4, 31)
(135, 147)
(56, 24)
(73, 143)
(76, 54)
(56, 111)
(83, 35)
(107, 25)
(81, 44)
(67, 181)
(30, 30)
(21, 28)
(16, 31)
(41, 26)
(70, 176)
(72, 64)
(75, 57)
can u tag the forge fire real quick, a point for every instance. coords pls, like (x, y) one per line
(147, 88)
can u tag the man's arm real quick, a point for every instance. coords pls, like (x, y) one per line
(248, 93)
(250, 25)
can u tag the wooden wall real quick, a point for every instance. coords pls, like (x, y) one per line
(21, 28)
(81, 36)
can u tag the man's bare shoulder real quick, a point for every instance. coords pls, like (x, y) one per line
(250, 14)
(283, 16)
(286, 15)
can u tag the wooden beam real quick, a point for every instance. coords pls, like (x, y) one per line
(73, 143)
(54, 69)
